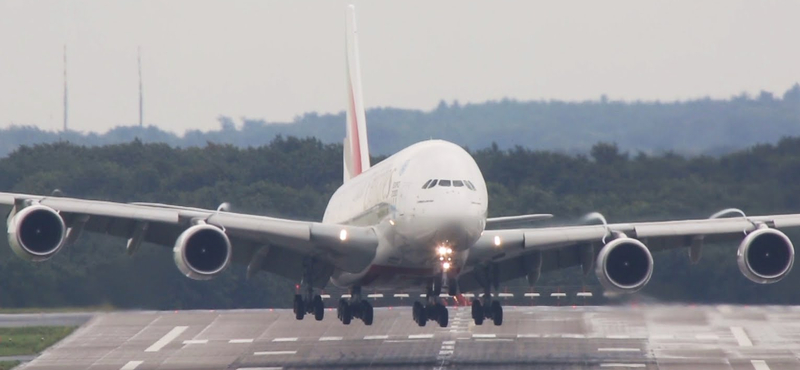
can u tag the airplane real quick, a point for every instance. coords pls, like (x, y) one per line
(416, 220)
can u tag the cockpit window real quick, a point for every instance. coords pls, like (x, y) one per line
(433, 183)
(469, 185)
(426, 184)
(444, 182)
(458, 183)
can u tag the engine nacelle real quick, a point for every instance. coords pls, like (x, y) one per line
(765, 256)
(202, 252)
(624, 265)
(36, 233)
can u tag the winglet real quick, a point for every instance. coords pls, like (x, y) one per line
(356, 148)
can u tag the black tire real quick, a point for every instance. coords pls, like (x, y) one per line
(319, 308)
(347, 314)
(298, 303)
(299, 308)
(366, 313)
(443, 316)
(422, 317)
(415, 310)
(497, 313)
(437, 287)
(452, 288)
(477, 312)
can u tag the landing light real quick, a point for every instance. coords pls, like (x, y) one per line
(497, 241)
(343, 235)
(446, 266)
(441, 250)
(391, 222)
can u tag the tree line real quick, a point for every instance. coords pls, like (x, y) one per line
(293, 177)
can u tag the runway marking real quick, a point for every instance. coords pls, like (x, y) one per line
(274, 353)
(131, 365)
(403, 341)
(574, 336)
(619, 350)
(259, 368)
(707, 336)
(618, 336)
(285, 340)
(196, 341)
(445, 352)
(741, 336)
(239, 341)
(759, 365)
(374, 337)
(622, 365)
(529, 336)
(169, 337)
(420, 336)
(484, 335)
(327, 339)
(493, 340)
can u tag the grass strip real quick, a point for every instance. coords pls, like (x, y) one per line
(30, 340)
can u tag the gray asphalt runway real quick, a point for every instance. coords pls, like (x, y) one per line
(646, 337)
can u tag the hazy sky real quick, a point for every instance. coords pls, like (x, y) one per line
(278, 59)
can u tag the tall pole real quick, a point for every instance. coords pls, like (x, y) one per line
(141, 100)
(65, 88)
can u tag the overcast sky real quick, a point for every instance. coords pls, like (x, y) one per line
(278, 59)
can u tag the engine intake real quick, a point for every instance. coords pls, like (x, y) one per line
(765, 256)
(36, 233)
(624, 265)
(202, 252)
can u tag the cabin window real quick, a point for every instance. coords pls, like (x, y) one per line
(458, 183)
(444, 182)
(426, 184)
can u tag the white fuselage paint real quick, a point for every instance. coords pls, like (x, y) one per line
(411, 222)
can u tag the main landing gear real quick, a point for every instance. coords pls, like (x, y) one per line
(489, 308)
(308, 303)
(355, 308)
(432, 311)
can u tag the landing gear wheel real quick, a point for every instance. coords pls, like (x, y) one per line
(366, 313)
(415, 311)
(345, 312)
(437, 287)
(421, 316)
(477, 312)
(319, 308)
(452, 288)
(442, 315)
(497, 313)
(299, 307)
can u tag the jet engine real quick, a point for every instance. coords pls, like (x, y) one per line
(765, 256)
(36, 233)
(202, 252)
(624, 265)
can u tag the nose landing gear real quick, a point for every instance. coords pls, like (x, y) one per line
(432, 310)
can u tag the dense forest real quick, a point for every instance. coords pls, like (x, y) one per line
(293, 177)
(702, 126)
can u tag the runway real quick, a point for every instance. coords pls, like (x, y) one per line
(644, 337)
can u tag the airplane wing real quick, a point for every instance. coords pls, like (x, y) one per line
(518, 253)
(276, 245)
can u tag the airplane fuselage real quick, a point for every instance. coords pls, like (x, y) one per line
(414, 221)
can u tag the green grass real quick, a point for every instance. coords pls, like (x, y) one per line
(30, 340)
(8, 365)
(103, 308)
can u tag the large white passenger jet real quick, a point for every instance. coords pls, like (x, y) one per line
(416, 220)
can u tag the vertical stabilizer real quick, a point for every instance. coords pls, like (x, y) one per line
(356, 148)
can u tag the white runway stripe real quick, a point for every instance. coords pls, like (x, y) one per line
(373, 337)
(131, 365)
(196, 341)
(285, 340)
(618, 350)
(169, 337)
(622, 365)
(741, 336)
(273, 353)
(759, 365)
(239, 341)
(484, 335)
(420, 336)
(327, 339)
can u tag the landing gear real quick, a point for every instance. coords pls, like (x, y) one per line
(432, 311)
(308, 303)
(489, 308)
(355, 308)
